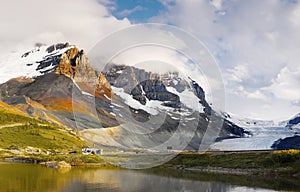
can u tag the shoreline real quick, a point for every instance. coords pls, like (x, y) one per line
(274, 163)
(26, 160)
(238, 171)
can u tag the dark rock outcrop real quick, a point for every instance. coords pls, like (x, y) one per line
(294, 121)
(287, 143)
(155, 90)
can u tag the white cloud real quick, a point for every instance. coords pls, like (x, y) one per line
(286, 84)
(257, 95)
(217, 3)
(80, 22)
(127, 12)
(238, 73)
(252, 42)
(295, 16)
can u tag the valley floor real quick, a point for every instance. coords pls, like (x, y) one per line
(264, 163)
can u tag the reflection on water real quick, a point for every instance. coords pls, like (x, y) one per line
(28, 178)
(123, 181)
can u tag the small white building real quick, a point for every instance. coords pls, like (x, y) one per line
(88, 151)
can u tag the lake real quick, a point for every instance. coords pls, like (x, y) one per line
(31, 178)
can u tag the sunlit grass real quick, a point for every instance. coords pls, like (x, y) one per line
(11, 117)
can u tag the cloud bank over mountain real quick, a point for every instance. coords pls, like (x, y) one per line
(24, 23)
(256, 44)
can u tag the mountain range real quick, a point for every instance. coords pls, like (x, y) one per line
(122, 106)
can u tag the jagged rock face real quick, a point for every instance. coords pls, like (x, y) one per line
(74, 62)
(155, 90)
(199, 92)
(52, 48)
(75, 65)
(103, 87)
(125, 76)
(67, 65)
(50, 62)
(143, 85)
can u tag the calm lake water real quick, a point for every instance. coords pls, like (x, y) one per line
(31, 178)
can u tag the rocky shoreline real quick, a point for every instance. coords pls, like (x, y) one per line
(232, 171)
(237, 171)
(56, 164)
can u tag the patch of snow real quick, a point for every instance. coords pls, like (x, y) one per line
(86, 93)
(143, 92)
(152, 107)
(188, 98)
(190, 119)
(175, 82)
(175, 118)
(116, 105)
(74, 82)
(108, 98)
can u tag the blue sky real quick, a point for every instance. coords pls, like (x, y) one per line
(137, 11)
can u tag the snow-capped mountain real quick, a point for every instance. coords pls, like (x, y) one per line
(33, 63)
(46, 83)
(293, 141)
(249, 123)
(56, 83)
(174, 95)
(166, 91)
(43, 81)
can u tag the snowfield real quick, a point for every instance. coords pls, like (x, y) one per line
(188, 98)
(263, 138)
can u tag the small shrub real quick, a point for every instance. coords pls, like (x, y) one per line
(286, 156)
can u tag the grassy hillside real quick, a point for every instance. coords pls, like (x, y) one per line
(11, 117)
(40, 136)
(22, 131)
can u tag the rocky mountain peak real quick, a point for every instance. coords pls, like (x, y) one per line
(74, 61)
(172, 88)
